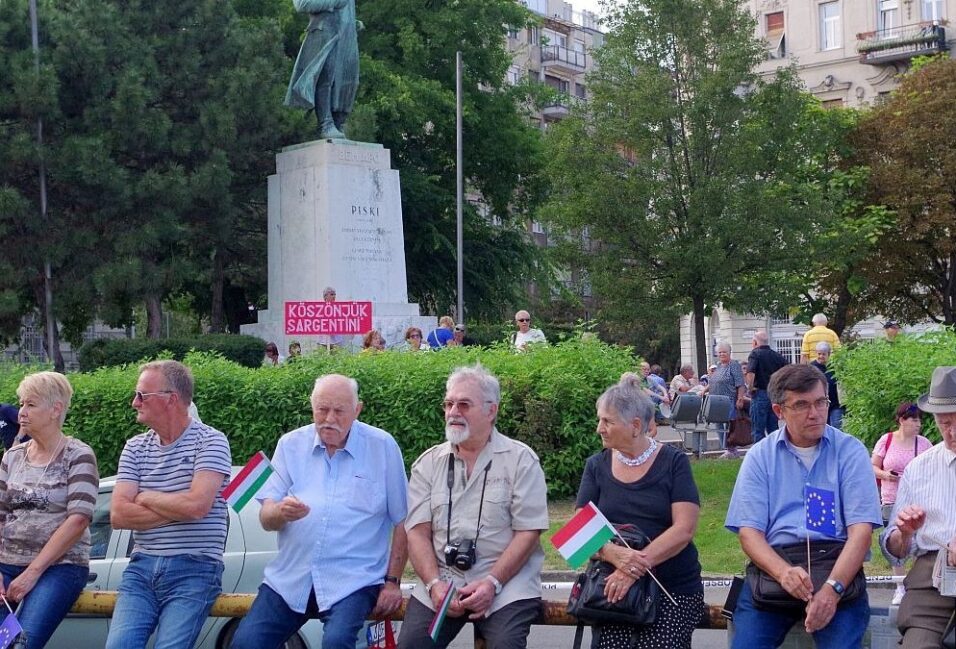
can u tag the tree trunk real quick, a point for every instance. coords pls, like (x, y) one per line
(699, 336)
(217, 320)
(154, 316)
(841, 309)
(56, 355)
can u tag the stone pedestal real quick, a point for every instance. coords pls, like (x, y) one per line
(335, 219)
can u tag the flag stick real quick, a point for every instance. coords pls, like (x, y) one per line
(809, 572)
(659, 584)
(6, 603)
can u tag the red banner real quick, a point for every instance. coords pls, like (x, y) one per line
(327, 318)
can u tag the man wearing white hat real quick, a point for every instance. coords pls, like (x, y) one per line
(924, 521)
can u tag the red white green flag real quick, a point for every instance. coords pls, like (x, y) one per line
(435, 627)
(248, 481)
(583, 535)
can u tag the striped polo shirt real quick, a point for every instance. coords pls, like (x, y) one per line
(153, 467)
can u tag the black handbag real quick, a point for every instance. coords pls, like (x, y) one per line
(588, 603)
(769, 595)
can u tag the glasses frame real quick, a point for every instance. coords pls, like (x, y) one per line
(464, 407)
(805, 406)
(522, 319)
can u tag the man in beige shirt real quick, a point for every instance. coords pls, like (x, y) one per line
(477, 506)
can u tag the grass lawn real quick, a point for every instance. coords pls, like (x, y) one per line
(720, 553)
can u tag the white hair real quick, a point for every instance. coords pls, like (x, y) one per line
(725, 346)
(824, 346)
(819, 320)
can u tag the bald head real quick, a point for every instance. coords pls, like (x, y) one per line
(761, 338)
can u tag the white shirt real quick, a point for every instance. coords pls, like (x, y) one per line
(929, 482)
(530, 336)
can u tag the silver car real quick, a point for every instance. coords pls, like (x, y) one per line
(248, 549)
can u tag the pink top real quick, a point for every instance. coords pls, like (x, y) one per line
(896, 459)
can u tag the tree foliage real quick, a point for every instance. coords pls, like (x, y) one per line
(907, 144)
(685, 166)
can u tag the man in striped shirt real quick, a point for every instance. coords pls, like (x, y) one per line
(169, 492)
(924, 521)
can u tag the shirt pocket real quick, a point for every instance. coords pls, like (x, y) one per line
(367, 494)
(496, 514)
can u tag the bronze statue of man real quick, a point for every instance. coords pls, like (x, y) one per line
(326, 72)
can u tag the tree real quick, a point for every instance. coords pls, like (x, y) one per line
(907, 144)
(407, 103)
(685, 166)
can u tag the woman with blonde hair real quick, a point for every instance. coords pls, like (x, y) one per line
(48, 489)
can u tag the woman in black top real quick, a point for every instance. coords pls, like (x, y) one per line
(635, 480)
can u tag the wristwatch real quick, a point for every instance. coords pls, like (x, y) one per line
(494, 581)
(391, 580)
(837, 587)
(429, 585)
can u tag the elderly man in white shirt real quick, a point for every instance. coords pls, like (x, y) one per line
(525, 334)
(924, 521)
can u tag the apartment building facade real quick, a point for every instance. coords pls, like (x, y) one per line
(850, 52)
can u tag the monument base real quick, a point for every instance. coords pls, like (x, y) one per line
(335, 219)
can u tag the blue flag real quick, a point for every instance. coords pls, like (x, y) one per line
(9, 631)
(820, 505)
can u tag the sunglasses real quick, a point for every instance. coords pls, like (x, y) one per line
(523, 319)
(463, 406)
(142, 396)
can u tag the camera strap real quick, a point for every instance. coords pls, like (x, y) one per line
(451, 485)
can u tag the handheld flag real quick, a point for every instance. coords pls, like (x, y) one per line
(9, 630)
(247, 482)
(435, 627)
(820, 505)
(583, 535)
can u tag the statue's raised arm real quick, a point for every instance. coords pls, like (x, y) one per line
(326, 72)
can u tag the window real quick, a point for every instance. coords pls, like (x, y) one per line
(557, 83)
(932, 10)
(832, 103)
(579, 45)
(882, 97)
(830, 28)
(100, 529)
(789, 348)
(580, 91)
(540, 6)
(537, 228)
(534, 35)
(514, 75)
(776, 45)
(512, 32)
(888, 17)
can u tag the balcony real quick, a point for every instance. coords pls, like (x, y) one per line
(901, 43)
(564, 59)
(560, 107)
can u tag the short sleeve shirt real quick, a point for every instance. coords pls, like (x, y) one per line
(816, 335)
(895, 458)
(515, 500)
(35, 500)
(170, 469)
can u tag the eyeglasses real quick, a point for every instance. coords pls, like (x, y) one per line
(415, 336)
(141, 396)
(463, 406)
(522, 319)
(801, 407)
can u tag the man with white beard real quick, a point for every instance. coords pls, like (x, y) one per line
(477, 504)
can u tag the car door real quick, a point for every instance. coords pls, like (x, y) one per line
(85, 631)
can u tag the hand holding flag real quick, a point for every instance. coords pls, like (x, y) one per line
(9, 630)
(435, 627)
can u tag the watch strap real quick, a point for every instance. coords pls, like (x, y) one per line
(389, 579)
(494, 581)
(837, 587)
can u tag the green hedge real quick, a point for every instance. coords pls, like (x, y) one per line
(876, 376)
(548, 399)
(244, 350)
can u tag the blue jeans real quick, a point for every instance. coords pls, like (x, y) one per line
(270, 621)
(762, 420)
(836, 418)
(756, 629)
(171, 595)
(47, 604)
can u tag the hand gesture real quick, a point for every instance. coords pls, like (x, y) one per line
(292, 509)
(455, 609)
(477, 597)
(617, 585)
(797, 582)
(909, 519)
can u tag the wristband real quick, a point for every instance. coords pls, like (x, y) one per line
(391, 580)
(429, 585)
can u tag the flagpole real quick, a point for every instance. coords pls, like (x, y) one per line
(656, 580)
(6, 603)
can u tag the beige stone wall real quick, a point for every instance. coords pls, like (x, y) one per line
(835, 74)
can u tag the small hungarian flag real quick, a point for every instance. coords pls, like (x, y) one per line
(583, 535)
(9, 630)
(435, 627)
(248, 481)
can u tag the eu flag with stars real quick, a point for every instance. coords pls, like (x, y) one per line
(9, 631)
(820, 505)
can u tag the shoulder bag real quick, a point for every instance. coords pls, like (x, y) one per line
(769, 595)
(588, 603)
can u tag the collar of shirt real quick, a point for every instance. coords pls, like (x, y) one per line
(354, 444)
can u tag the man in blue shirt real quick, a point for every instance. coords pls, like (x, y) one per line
(10, 425)
(337, 496)
(767, 510)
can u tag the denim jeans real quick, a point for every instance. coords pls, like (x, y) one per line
(762, 419)
(270, 621)
(756, 629)
(47, 604)
(836, 418)
(171, 595)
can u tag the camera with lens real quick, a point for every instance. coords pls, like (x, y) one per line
(460, 554)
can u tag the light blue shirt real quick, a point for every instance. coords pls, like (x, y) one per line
(768, 495)
(356, 497)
